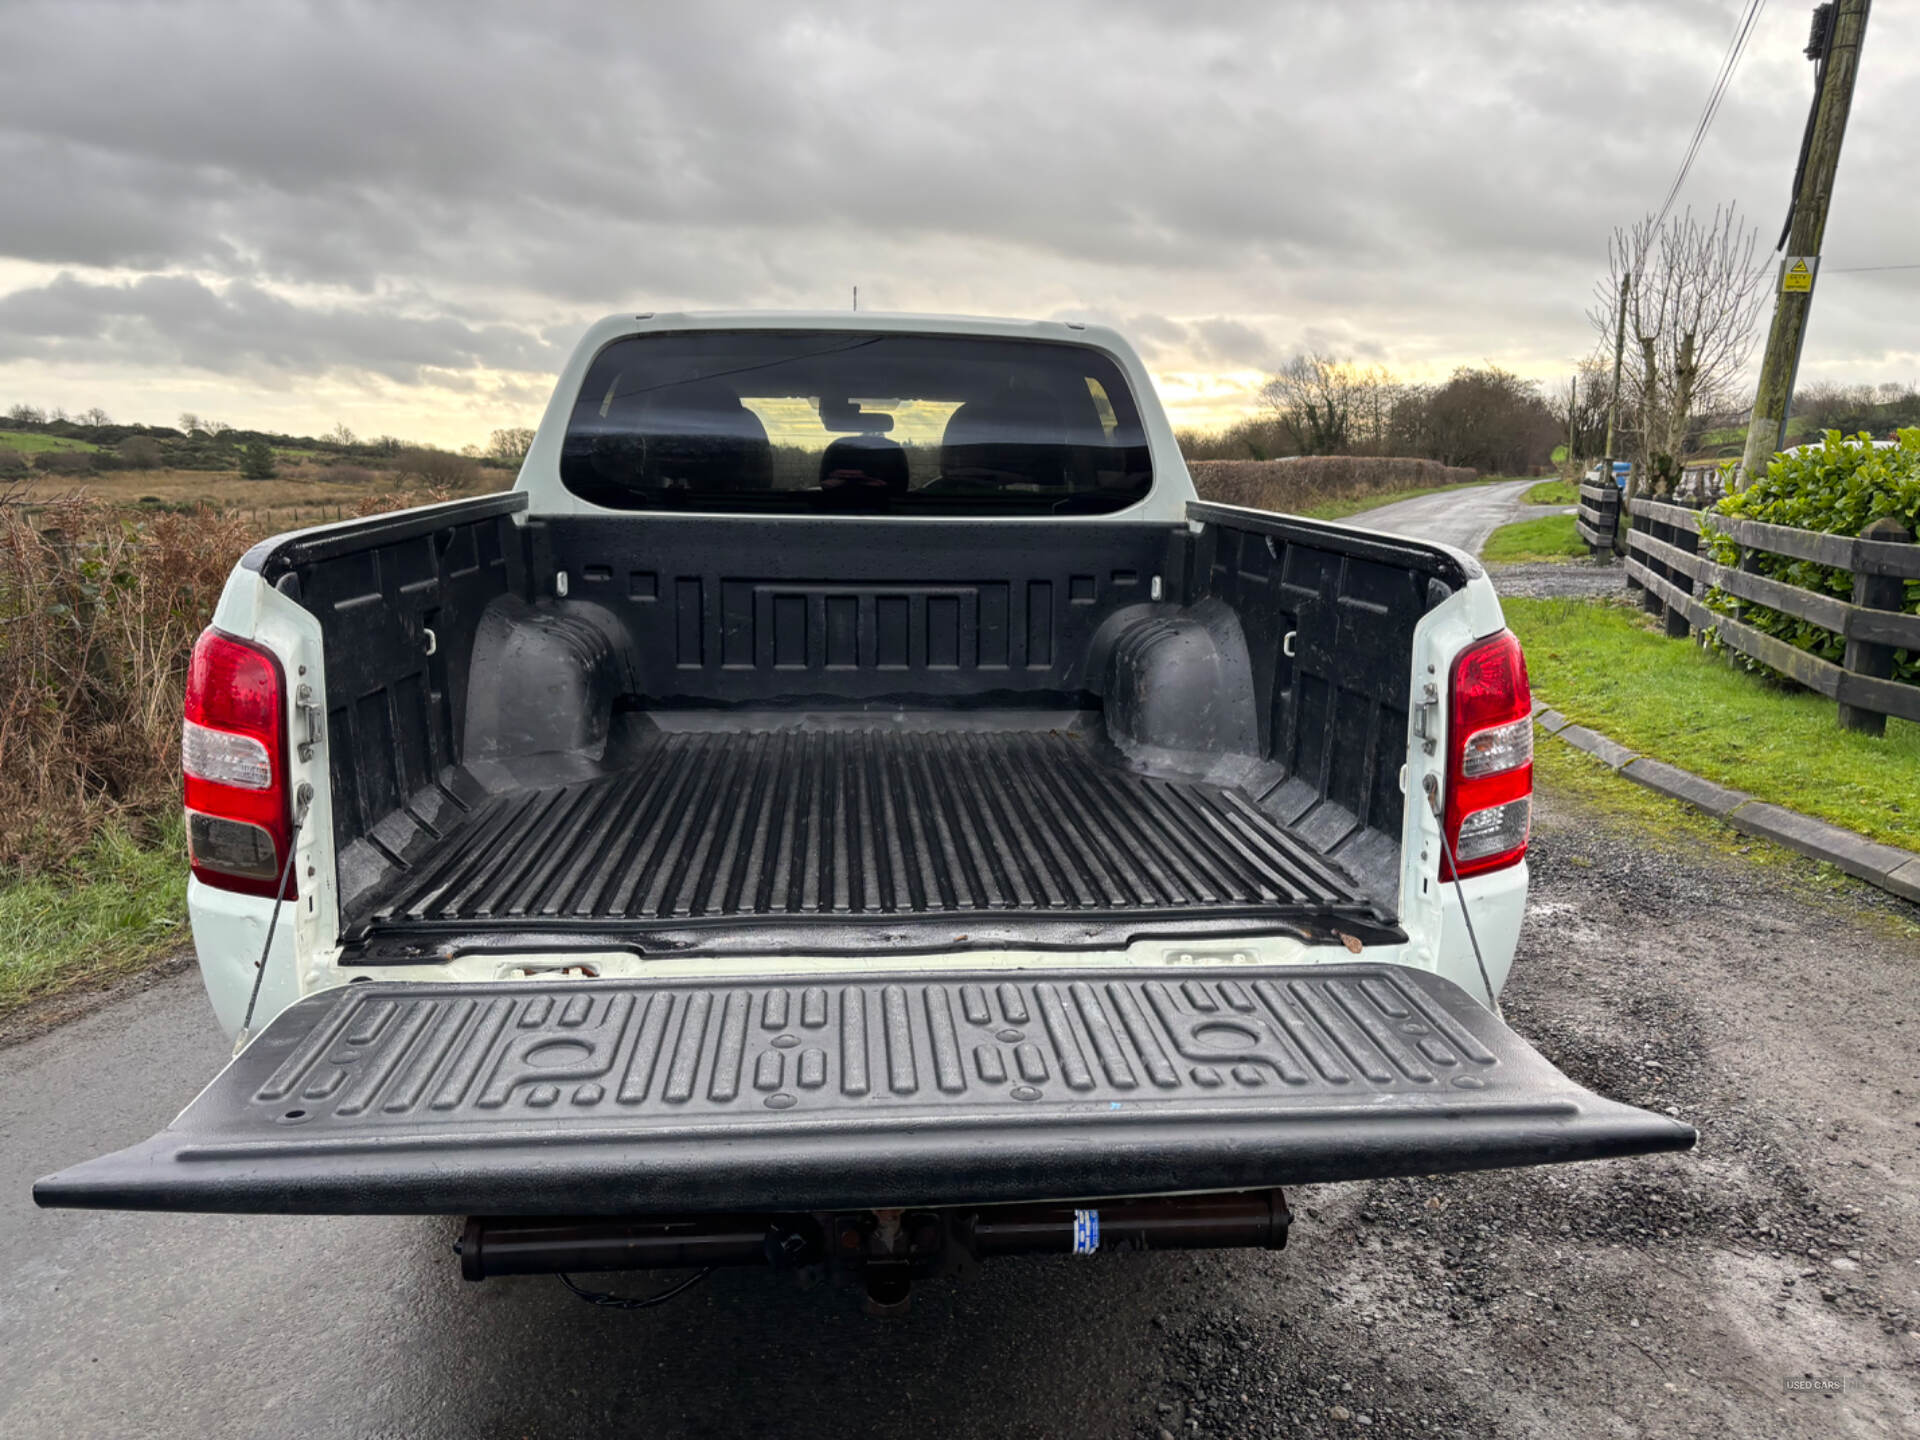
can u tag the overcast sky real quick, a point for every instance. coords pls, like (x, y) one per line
(289, 215)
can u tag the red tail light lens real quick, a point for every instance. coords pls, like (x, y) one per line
(233, 750)
(1489, 809)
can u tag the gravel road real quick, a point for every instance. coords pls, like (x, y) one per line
(1467, 517)
(1670, 1295)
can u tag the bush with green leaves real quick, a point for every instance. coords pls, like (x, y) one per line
(1838, 487)
(256, 461)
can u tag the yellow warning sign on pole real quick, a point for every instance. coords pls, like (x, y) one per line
(1797, 277)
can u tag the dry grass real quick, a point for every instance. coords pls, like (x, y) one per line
(1305, 483)
(99, 608)
(297, 486)
(98, 611)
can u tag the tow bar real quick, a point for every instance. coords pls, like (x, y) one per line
(884, 1250)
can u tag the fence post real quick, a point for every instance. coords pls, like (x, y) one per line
(1748, 563)
(1678, 626)
(1874, 592)
(1649, 527)
(1633, 524)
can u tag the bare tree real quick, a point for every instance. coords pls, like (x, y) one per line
(510, 445)
(1315, 397)
(1696, 296)
(1588, 392)
(95, 416)
(1483, 417)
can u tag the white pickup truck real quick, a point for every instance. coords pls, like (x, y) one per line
(852, 806)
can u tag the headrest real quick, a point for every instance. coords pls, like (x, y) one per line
(1018, 435)
(865, 462)
(700, 434)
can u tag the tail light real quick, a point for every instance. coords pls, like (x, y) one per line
(1489, 808)
(233, 750)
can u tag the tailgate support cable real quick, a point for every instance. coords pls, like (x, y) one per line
(1432, 786)
(305, 798)
(627, 1302)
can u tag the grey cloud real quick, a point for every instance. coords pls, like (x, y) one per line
(1234, 343)
(1404, 180)
(242, 330)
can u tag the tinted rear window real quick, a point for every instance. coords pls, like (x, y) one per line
(831, 421)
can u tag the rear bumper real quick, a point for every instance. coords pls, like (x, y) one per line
(631, 1097)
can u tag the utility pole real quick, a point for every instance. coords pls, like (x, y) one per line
(1839, 28)
(1573, 410)
(1613, 405)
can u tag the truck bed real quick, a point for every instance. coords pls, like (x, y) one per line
(864, 824)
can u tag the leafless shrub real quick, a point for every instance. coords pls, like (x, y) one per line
(63, 462)
(403, 499)
(438, 468)
(98, 612)
(139, 452)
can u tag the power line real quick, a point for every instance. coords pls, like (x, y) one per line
(1729, 63)
(1863, 269)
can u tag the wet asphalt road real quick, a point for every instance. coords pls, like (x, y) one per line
(1771, 1005)
(1668, 1295)
(1463, 518)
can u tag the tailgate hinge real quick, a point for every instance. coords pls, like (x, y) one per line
(308, 709)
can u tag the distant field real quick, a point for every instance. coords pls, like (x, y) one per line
(1797, 428)
(33, 443)
(224, 488)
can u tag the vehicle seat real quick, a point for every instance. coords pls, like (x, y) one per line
(699, 436)
(1014, 438)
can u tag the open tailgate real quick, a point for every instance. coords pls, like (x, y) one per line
(631, 1097)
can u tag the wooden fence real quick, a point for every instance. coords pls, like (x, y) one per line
(1599, 519)
(1665, 564)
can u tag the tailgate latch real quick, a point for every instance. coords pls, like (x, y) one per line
(1426, 717)
(308, 709)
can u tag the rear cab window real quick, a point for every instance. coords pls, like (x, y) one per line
(798, 422)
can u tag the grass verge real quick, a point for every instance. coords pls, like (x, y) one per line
(1573, 774)
(1354, 504)
(1553, 492)
(1604, 665)
(59, 932)
(1551, 537)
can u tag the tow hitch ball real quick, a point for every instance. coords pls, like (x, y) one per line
(887, 1250)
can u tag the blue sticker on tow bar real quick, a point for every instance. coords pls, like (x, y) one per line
(1086, 1231)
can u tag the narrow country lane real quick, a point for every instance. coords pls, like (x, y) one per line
(1463, 518)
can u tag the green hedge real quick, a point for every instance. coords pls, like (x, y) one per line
(1838, 487)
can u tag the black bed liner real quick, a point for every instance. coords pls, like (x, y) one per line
(864, 823)
(634, 1097)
